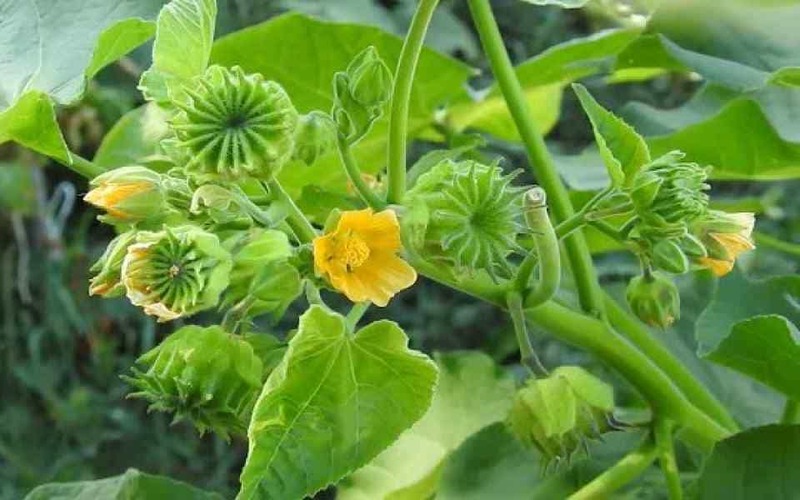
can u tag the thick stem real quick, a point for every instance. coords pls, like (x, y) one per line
(623, 472)
(600, 339)
(660, 355)
(401, 99)
(541, 162)
(355, 314)
(791, 412)
(297, 221)
(662, 431)
(84, 167)
(354, 174)
(548, 253)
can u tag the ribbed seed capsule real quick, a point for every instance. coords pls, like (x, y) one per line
(235, 124)
(201, 374)
(475, 214)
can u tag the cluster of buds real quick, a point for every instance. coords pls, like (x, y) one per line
(674, 229)
(471, 215)
(205, 375)
(558, 414)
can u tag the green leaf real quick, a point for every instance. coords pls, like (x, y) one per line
(47, 52)
(751, 136)
(132, 485)
(291, 56)
(31, 122)
(133, 138)
(472, 393)
(736, 298)
(493, 464)
(624, 152)
(543, 78)
(184, 35)
(335, 402)
(757, 463)
(766, 349)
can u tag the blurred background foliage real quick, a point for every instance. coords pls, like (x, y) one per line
(62, 405)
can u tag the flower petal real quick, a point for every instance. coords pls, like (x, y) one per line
(718, 267)
(380, 230)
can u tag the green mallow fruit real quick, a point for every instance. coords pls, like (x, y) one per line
(204, 375)
(654, 299)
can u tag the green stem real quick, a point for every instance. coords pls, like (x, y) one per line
(527, 355)
(661, 356)
(608, 230)
(769, 241)
(297, 221)
(355, 314)
(662, 431)
(568, 226)
(548, 253)
(83, 167)
(623, 472)
(354, 174)
(597, 337)
(791, 412)
(401, 99)
(541, 162)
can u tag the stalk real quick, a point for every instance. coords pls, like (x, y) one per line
(83, 167)
(540, 160)
(401, 99)
(354, 174)
(302, 228)
(662, 432)
(623, 472)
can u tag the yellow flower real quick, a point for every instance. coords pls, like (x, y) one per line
(725, 239)
(128, 194)
(359, 258)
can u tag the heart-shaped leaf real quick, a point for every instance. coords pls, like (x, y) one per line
(335, 402)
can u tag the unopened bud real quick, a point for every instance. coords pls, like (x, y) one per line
(668, 256)
(370, 79)
(315, 136)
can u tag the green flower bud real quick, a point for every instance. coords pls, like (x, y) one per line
(558, 413)
(235, 124)
(474, 214)
(692, 246)
(370, 80)
(360, 93)
(668, 256)
(175, 272)
(107, 279)
(261, 274)
(205, 375)
(129, 195)
(654, 299)
(315, 136)
(725, 236)
(671, 190)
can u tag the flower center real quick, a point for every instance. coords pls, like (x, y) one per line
(355, 251)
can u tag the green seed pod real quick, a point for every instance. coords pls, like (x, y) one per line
(107, 279)
(235, 124)
(205, 375)
(668, 256)
(654, 299)
(129, 195)
(559, 413)
(474, 217)
(315, 136)
(370, 79)
(175, 272)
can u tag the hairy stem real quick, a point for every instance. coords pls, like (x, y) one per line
(401, 99)
(544, 169)
(297, 221)
(660, 355)
(354, 174)
(662, 432)
(623, 472)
